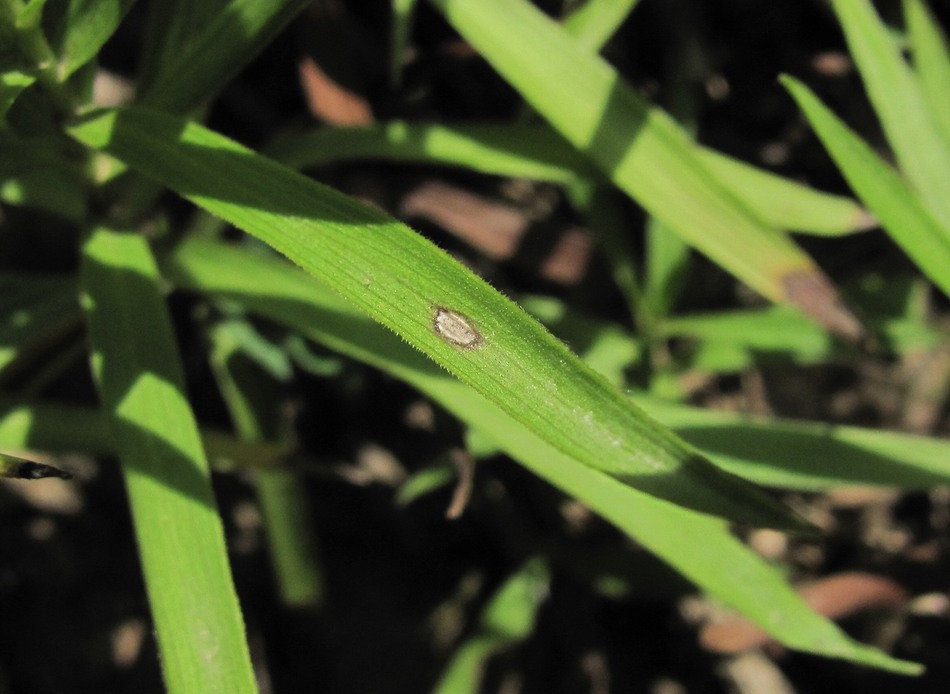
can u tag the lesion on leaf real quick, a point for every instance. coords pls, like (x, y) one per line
(456, 329)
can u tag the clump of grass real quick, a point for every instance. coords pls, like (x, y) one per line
(371, 289)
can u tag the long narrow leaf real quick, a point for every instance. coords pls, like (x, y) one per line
(80, 28)
(526, 150)
(169, 28)
(281, 494)
(181, 541)
(403, 13)
(808, 455)
(61, 428)
(509, 617)
(594, 22)
(895, 93)
(906, 220)
(699, 547)
(805, 455)
(217, 52)
(641, 149)
(932, 62)
(441, 308)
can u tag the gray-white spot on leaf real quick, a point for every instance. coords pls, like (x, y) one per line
(456, 329)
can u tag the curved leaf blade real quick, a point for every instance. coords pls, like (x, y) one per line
(699, 547)
(899, 102)
(528, 150)
(180, 536)
(642, 150)
(434, 303)
(891, 200)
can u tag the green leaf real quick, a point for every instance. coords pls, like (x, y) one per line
(215, 53)
(895, 93)
(77, 29)
(699, 547)
(667, 267)
(808, 456)
(508, 618)
(527, 150)
(932, 60)
(169, 28)
(284, 507)
(403, 12)
(639, 148)
(34, 311)
(522, 150)
(906, 220)
(35, 173)
(425, 481)
(31, 14)
(786, 204)
(12, 83)
(594, 22)
(434, 303)
(180, 538)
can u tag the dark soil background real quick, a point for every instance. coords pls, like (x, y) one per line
(404, 585)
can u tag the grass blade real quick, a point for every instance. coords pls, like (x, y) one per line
(906, 220)
(895, 93)
(642, 150)
(81, 28)
(181, 541)
(526, 150)
(403, 12)
(438, 306)
(509, 617)
(217, 52)
(169, 28)
(807, 455)
(12, 83)
(594, 22)
(699, 547)
(285, 510)
(786, 204)
(932, 62)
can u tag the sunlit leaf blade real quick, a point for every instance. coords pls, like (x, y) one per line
(12, 82)
(931, 56)
(787, 204)
(808, 455)
(873, 457)
(434, 303)
(61, 428)
(523, 150)
(528, 150)
(181, 542)
(923, 155)
(595, 21)
(700, 547)
(640, 148)
(880, 188)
